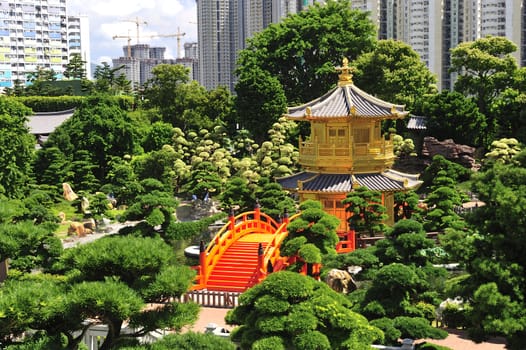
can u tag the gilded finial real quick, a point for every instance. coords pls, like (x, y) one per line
(308, 112)
(354, 182)
(346, 73)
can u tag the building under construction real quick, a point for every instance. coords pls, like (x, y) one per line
(139, 60)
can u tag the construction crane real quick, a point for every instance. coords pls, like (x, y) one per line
(138, 23)
(125, 37)
(177, 35)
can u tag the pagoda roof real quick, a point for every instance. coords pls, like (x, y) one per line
(346, 100)
(389, 180)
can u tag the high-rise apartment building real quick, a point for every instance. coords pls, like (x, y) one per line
(37, 33)
(218, 36)
(223, 27)
(434, 27)
(79, 39)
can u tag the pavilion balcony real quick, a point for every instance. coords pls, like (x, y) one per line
(336, 155)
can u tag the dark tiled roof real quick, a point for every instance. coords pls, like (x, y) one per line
(291, 182)
(416, 123)
(344, 101)
(388, 181)
(44, 123)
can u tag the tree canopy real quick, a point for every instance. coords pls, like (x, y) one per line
(291, 311)
(300, 54)
(17, 147)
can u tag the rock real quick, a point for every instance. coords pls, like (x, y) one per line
(77, 228)
(90, 224)
(462, 154)
(341, 281)
(68, 193)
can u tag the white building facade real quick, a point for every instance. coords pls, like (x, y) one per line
(434, 27)
(36, 33)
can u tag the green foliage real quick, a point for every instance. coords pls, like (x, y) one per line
(395, 290)
(158, 164)
(203, 180)
(17, 147)
(187, 341)
(305, 314)
(496, 262)
(50, 103)
(395, 72)
(454, 171)
(502, 151)
(485, 67)
(274, 200)
(310, 253)
(28, 246)
(97, 131)
(191, 229)
(391, 334)
(316, 226)
(366, 210)
(365, 258)
(417, 328)
(403, 147)
(452, 115)
(258, 93)
(306, 46)
(405, 243)
(429, 346)
(238, 193)
(158, 135)
(110, 81)
(508, 108)
(455, 316)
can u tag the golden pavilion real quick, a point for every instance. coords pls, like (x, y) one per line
(346, 148)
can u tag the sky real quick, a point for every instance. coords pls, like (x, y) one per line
(109, 18)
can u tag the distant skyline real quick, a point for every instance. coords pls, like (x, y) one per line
(108, 18)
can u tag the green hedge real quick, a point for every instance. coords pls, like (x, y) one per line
(62, 103)
(50, 103)
(191, 229)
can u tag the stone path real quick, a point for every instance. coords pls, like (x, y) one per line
(110, 229)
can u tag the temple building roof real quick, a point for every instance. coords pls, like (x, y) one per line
(44, 123)
(417, 123)
(389, 180)
(346, 100)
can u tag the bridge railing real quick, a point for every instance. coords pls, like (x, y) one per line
(236, 227)
(271, 259)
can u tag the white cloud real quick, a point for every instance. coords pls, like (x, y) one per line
(107, 19)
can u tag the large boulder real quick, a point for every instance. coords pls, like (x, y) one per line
(340, 281)
(462, 154)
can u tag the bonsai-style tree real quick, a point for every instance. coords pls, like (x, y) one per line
(291, 311)
(366, 209)
(312, 234)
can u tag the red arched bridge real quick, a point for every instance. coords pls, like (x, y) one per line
(245, 250)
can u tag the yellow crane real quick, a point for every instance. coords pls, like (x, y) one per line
(129, 41)
(177, 35)
(138, 23)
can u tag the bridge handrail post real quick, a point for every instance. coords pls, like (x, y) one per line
(261, 260)
(202, 262)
